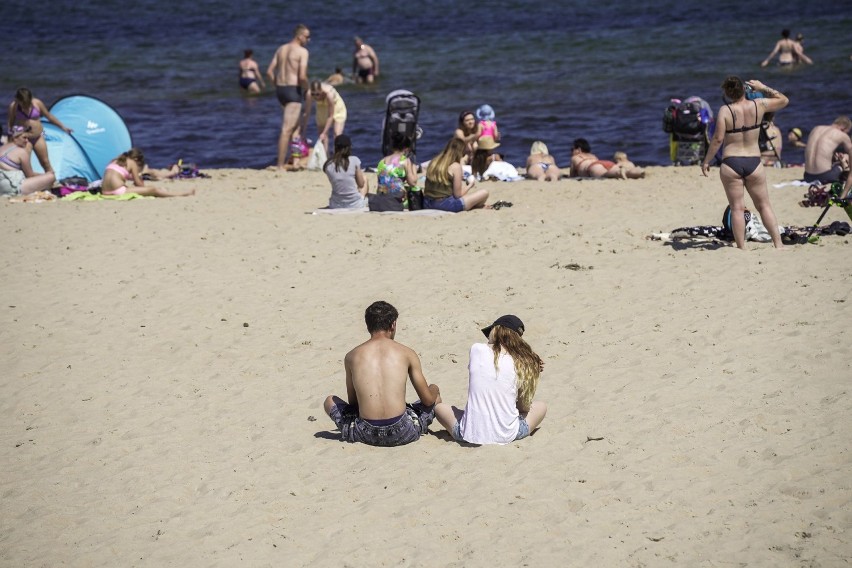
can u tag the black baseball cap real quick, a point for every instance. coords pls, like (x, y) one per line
(512, 322)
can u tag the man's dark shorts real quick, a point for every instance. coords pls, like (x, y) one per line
(825, 177)
(413, 423)
(289, 94)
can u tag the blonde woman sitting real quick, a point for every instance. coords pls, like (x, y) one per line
(504, 375)
(540, 164)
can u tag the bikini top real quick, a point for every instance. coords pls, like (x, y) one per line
(742, 128)
(121, 170)
(8, 161)
(34, 113)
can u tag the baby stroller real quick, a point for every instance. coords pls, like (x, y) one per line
(403, 109)
(690, 124)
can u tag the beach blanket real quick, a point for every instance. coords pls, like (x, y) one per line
(86, 196)
(789, 235)
(420, 213)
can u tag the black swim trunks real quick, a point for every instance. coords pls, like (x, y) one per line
(825, 177)
(289, 94)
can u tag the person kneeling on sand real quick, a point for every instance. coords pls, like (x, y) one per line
(504, 374)
(376, 412)
(128, 166)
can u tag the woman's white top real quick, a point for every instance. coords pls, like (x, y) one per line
(491, 414)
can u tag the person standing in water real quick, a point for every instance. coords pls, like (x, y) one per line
(251, 79)
(288, 70)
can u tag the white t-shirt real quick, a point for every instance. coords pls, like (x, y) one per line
(491, 414)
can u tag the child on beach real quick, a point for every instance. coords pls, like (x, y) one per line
(128, 166)
(487, 124)
(300, 154)
(626, 168)
(348, 184)
(503, 377)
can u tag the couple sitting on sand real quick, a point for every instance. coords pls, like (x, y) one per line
(504, 374)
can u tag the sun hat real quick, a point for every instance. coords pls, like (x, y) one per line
(485, 112)
(487, 143)
(509, 321)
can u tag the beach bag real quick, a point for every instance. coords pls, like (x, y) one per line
(668, 116)
(72, 184)
(318, 157)
(383, 202)
(415, 199)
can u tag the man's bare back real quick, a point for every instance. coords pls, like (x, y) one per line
(289, 65)
(822, 143)
(378, 370)
(376, 373)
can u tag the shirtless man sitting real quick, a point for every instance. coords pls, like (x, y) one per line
(289, 71)
(823, 141)
(376, 412)
(365, 62)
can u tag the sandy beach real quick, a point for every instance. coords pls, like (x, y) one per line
(166, 360)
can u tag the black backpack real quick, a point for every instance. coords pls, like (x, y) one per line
(686, 118)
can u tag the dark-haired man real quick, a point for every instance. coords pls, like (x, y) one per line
(376, 374)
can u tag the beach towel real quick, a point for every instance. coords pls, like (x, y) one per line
(420, 213)
(503, 171)
(86, 196)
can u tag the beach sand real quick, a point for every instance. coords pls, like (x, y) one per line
(165, 362)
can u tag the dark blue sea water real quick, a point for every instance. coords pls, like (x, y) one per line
(553, 71)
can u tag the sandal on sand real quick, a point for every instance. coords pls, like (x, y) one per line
(501, 203)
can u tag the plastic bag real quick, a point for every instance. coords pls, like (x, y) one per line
(318, 157)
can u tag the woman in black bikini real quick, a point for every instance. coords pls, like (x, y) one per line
(738, 127)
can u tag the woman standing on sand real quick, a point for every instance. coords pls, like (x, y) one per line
(503, 377)
(446, 189)
(738, 126)
(126, 167)
(26, 111)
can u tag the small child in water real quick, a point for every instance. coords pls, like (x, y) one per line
(487, 123)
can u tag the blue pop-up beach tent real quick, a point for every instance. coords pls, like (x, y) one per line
(98, 133)
(66, 156)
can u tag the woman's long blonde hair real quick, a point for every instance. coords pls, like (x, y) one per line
(439, 167)
(527, 363)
